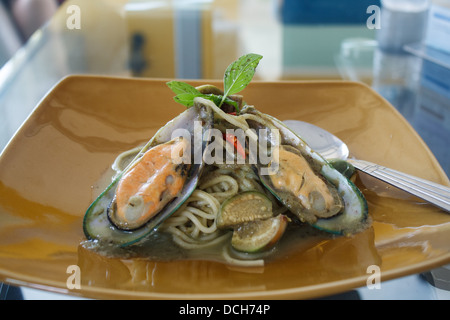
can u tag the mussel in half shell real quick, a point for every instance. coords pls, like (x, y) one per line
(305, 182)
(131, 208)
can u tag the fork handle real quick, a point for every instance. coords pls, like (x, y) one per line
(434, 193)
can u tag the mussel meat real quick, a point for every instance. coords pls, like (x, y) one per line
(155, 184)
(305, 182)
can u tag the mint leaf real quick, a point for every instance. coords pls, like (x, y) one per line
(182, 87)
(186, 99)
(185, 92)
(239, 74)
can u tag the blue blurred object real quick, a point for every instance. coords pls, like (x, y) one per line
(8, 292)
(325, 11)
(432, 115)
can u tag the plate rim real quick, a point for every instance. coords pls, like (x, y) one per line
(309, 291)
(306, 292)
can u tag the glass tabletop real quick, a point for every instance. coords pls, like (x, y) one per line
(170, 39)
(197, 39)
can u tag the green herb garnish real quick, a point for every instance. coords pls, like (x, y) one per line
(237, 76)
(185, 92)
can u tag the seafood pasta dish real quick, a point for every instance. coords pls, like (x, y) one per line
(221, 181)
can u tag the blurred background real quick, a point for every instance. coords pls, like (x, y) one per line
(399, 47)
(19, 20)
(296, 36)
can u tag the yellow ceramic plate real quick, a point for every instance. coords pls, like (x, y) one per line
(54, 166)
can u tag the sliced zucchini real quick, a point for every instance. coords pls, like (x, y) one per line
(259, 235)
(244, 207)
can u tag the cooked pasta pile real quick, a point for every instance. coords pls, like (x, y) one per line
(193, 225)
(249, 168)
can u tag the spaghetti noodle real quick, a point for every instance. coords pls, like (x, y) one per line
(193, 225)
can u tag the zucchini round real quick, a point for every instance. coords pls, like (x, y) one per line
(244, 207)
(259, 235)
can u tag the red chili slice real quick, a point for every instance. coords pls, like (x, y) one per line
(232, 139)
